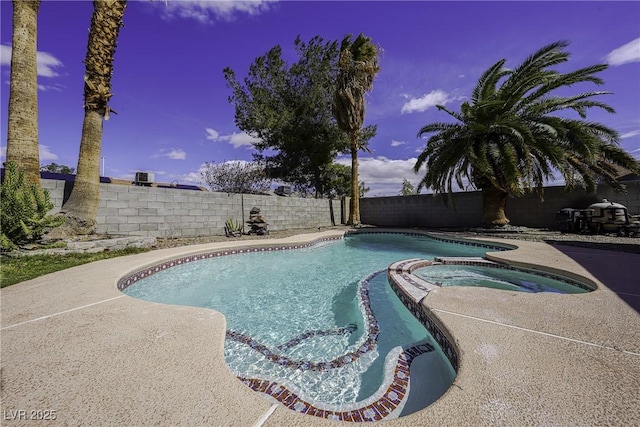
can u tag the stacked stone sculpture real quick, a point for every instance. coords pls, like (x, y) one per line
(257, 223)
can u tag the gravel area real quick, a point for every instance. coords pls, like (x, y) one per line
(596, 241)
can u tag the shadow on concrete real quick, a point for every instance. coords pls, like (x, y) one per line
(633, 246)
(616, 269)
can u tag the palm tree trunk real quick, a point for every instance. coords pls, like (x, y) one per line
(82, 207)
(354, 214)
(494, 202)
(22, 129)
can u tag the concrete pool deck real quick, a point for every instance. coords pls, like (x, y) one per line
(72, 343)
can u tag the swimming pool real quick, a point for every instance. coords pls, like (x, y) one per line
(317, 322)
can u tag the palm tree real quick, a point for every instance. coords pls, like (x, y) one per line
(22, 129)
(82, 206)
(507, 139)
(358, 65)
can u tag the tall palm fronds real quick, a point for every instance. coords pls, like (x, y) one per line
(358, 65)
(106, 21)
(515, 133)
(22, 128)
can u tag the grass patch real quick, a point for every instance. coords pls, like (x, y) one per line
(18, 269)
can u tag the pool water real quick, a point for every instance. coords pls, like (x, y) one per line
(305, 306)
(492, 277)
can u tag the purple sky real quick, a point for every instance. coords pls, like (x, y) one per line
(171, 97)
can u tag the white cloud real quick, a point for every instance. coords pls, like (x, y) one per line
(630, 134)
(241, 139)
(212, 134)
(206, 11)
(192, 177)
(5, 55)
(238, 140)
(177, 155)
(172, 154)
(625, 54)
(431, 99)
(47, 63)
(46, 154)
(43, 150)
(395, 143)
(45, 88)
(382, 175)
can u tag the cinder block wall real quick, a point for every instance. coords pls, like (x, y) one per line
(429, 211)
(170, 212)
(420, 211)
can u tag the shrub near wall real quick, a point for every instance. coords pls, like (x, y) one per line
(170, 212)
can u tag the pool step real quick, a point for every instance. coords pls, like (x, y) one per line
(415, 287)
(464, 261)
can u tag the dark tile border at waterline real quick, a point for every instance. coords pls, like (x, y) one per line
(132, 278)
(493, 246)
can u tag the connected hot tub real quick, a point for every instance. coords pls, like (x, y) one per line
(479, 272)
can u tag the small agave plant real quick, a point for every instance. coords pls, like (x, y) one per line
(232, 228)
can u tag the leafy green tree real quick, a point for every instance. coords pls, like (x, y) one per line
(288, 107)
(24, 209)
(516, 131)
(358, 66)
(338, 181)
(407, 188)
(56, 168)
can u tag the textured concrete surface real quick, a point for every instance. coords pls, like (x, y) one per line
(73, 344)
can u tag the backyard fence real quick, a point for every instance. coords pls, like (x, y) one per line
(529, 211)
(172, 212)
